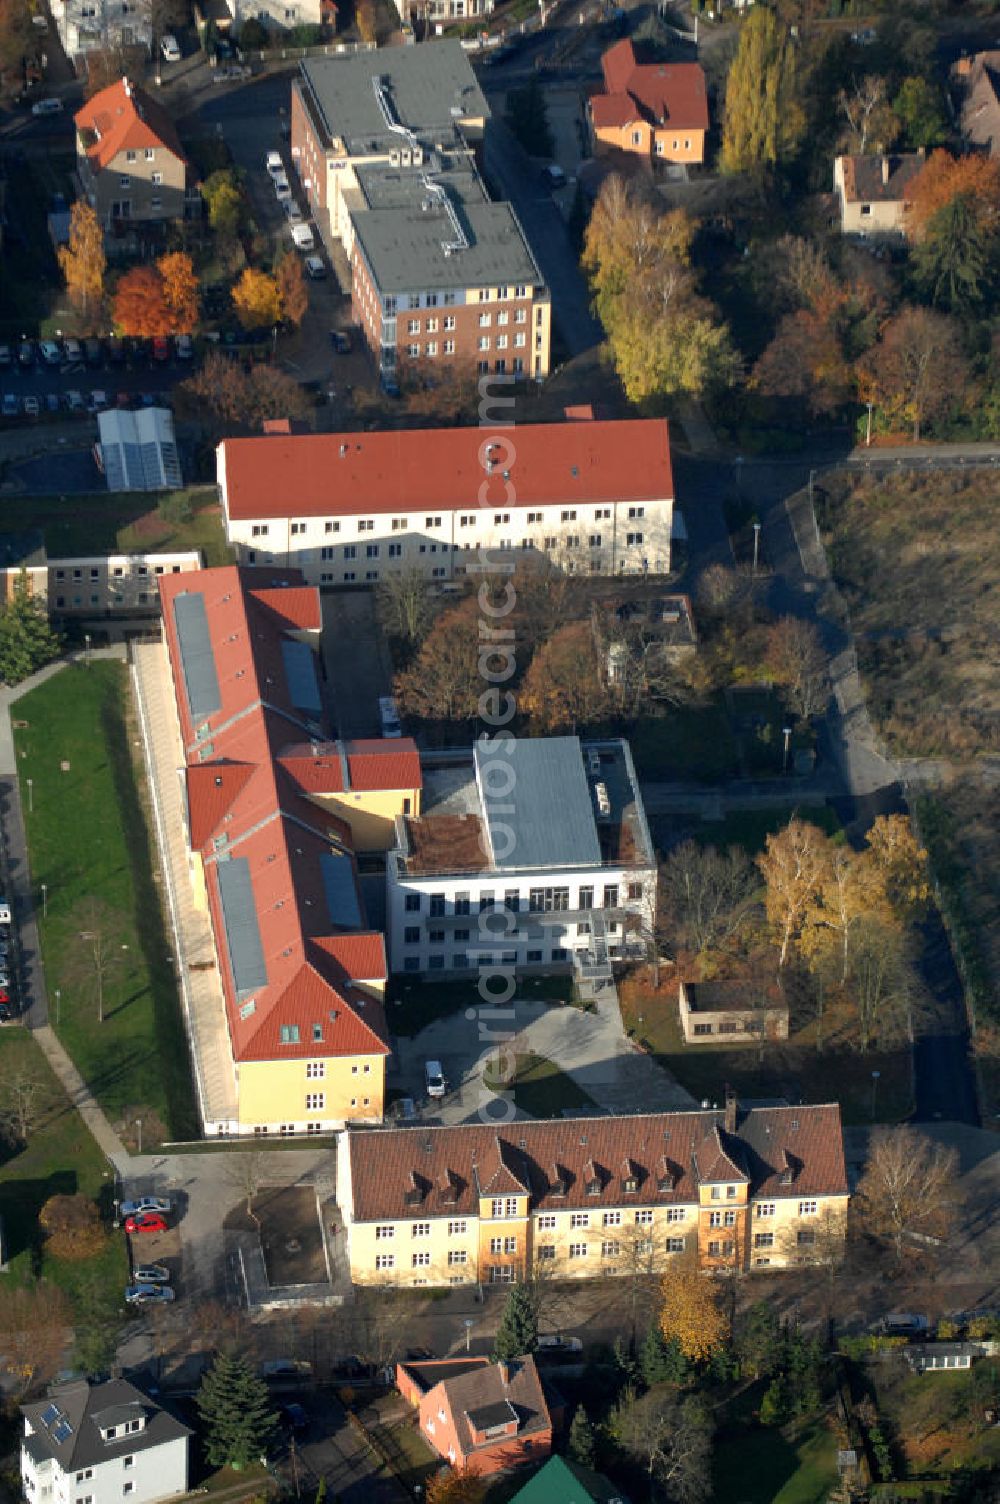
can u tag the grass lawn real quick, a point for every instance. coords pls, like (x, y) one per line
(791, 1068)
(407, 1454)
(88, 837)
(691, 742)
(60, 1158)
(930, 1417)
(125, 521)
(541, 1089)
(411, 1006)
(765, 1465)
(750, 828)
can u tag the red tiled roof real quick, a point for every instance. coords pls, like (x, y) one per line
(383, 1164)
(490, 1384)
(443, 469)
(671, 94)
(370, 766)
(245, 802)
(124, 117)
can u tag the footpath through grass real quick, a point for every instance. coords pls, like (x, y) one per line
(59, 1158)
(89, 840)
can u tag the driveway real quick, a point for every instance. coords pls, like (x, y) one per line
(588, 1047)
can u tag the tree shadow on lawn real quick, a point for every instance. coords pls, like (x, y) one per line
(173, 1064)
(20, 1203)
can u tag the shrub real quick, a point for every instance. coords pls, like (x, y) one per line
(72, 1227)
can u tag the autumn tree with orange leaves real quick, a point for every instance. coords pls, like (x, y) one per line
(257, 299)
(140, 305)
(180, 290)
(692, 1312)
(292, 289)
(917, 372)
(942, 179)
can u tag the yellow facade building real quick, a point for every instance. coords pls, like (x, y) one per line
(735, 1189)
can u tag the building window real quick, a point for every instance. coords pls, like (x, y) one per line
(806, 1237)
(612, 1219)
(331, 527)
(259, 530)
(580, 1219)
(315, 1069)
(289, 1033)
(676, 1214)
(413, 326)
(634, 540)
(315, 1101)
(385, 1261)
(130, 156)
(350, 551)
(157, 179)
(644, 1217)
(546, 1251)
(578, 1250)
(128, 1462)
(384, 1230)
(503, 1245)
(421, 1230)
(420, 1260)
(504, 1206)
(594, 540)
(457, 1256)
(807, 1208)
(412, 903)
(764, 1209)
(763, 1240)
(715, 1219)
(437, 906)
(634, 512)
(719, 1249)
(546, 1223)
(456, 1229)
(610, 1250)
(676, 1245)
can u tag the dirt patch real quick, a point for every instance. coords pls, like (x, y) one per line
(291, 1238)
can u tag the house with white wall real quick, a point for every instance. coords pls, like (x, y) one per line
(587, 496)
(529, 854)
(101, 1444)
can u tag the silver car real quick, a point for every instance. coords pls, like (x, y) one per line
(145, 1204)
(137, 1295)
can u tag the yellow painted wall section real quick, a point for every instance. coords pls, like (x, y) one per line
(276, 1091)
(370, 815)
(199, 892)
(662, 145)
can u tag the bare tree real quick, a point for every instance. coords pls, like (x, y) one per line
(796, 658)
(909, 1188)
(405, 604)
(710, 896)
(245, 1173)
(881, 981)
(20, 1103)
(869, 118)
(377, 1325)
(670, 1440)
(35, 1325)
(99, 960)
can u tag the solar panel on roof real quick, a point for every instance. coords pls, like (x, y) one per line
(63, 1431)
(239, 914)
(201, 681)
(49, 1414)
(300, 674)
(341, 894)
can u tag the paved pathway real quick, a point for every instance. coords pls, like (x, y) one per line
(201, 986)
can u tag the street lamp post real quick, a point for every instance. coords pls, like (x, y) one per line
(868, 440)
(86, 643)
(786, 732)
(58, 1007)
(469, 1324)
(138, 1125)
(756, 547)
(45, 900)
(875, 1076)
(31, 795)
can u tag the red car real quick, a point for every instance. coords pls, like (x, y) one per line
(146, 1222)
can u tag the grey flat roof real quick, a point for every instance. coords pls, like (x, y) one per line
(404, 247)
(300, 673)
(425, 85)
(402, 187)
(341, 893)
(201, 682)
(547, 818)
(239, 915)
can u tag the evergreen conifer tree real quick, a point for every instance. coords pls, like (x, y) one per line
(518, 1330)
(235, 1409)
(661, 1360)
(580, 1445)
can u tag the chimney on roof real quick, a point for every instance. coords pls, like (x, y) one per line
(885, 171)
(503, 1369)
(729, 1121)
(128, 87)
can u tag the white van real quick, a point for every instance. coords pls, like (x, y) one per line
(302, 235)
(434, 1078)
(389, 716)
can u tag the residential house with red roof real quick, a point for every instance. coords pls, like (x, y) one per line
(590, 496)
(482, 1417)
(737, 1188)
(129, 157)
(658, 111)
(272, 808)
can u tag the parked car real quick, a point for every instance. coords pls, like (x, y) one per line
(47, 107)
(161, 347)
(145, 1204)
(554, 1343)
(169, 48)
(434, 1078)
(151, 1274)
(146, 1222)
(293, 213)
(11, 405)
(302, 236)
(282, 191)
(31, 406)
(185, 347)
(7, 1012)
(97, 401)
(275, 166)
(72, 349)
(123, 399)
(26, 353)
(903, 1324)
(148, 1294)
(553, 176)
(116, 351)
(75, 402)
(342, 341)
(285, 1368)
(50, 352)
(52, 402)
(93, 351)
(315, 268)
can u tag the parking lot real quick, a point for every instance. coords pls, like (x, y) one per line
(124, 371)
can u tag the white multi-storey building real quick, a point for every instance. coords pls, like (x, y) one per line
(530, 855)
(591, 497)
(98, 25)
(101, 1444)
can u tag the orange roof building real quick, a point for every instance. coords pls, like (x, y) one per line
(589, 495)
(130, 159)
(273, 811)
(655, 110)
